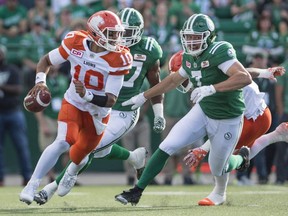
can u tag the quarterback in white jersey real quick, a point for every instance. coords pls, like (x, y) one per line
(99, 62)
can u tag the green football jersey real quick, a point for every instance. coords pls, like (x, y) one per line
(204, 71)
(145, 54)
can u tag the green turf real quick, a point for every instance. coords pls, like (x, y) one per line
(157, 200)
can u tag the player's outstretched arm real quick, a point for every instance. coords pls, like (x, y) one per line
(167, 84)
(269, 73)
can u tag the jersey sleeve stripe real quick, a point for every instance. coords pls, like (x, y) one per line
(149, 44)
(63, 52)
(213, 50)
(112, 69)
(123, 72)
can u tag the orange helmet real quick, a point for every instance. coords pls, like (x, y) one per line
(174, 65)
(106, 30)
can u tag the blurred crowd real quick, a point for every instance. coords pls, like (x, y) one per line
(29, 29)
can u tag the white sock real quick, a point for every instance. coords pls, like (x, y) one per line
(221, 184)
(73, 168)
(262, 142)
(130, 158)
(49, 158)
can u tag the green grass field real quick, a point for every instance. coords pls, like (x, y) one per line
(157, 200)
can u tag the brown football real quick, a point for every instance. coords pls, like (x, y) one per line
(38, 103)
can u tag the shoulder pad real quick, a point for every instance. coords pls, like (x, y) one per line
(74, 39)
(219, 47)
(149, 44)
(220, 52)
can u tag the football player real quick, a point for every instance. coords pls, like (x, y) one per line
(99, 62)
(218, 78)
(146, 54)
(257, 121)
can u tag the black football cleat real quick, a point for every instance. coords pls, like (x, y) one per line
(132, 196)
(244, 152)
(41, 197)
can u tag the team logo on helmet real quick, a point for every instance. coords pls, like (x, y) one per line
(98, 20)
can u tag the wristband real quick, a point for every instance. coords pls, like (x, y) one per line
(158, 109)
(88, 96)
(40, 77)
(212, 88)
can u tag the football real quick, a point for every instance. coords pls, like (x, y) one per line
(38, 103)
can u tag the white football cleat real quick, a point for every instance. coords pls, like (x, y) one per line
(282, 131)
(137, 159)
(27, 194)
(46, 193)
(66, 184)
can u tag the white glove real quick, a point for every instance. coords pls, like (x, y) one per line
(136, 101)
(199, 93)
(271, 73)
(159, 124)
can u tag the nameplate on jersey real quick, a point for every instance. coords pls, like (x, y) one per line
(77, 53)
(205, 64)
(140, 57)
(89, 64)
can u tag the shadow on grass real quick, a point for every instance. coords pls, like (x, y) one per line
(73, 210)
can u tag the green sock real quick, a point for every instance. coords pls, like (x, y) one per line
(60, 176)
(153, 167)
(234, 162)
(117, 153)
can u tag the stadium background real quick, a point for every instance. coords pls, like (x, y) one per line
(228, 29)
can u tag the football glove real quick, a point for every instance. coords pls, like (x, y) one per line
(199, 93)
(159, 124)
(136, 101)
(194, 157)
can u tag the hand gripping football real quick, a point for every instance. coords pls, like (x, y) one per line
(38, 103)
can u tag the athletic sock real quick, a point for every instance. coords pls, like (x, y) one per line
(234, 162)
(221, 184)
(117, 153)
(154, 166)
(261, 143)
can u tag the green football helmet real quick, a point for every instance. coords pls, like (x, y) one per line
(197, 34)
(133, 23)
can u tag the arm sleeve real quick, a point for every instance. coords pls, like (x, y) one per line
(55, 57)
(183, 73)
(226, 65)
(114, 84)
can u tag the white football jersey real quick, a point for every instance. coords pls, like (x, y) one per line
(91, 68)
